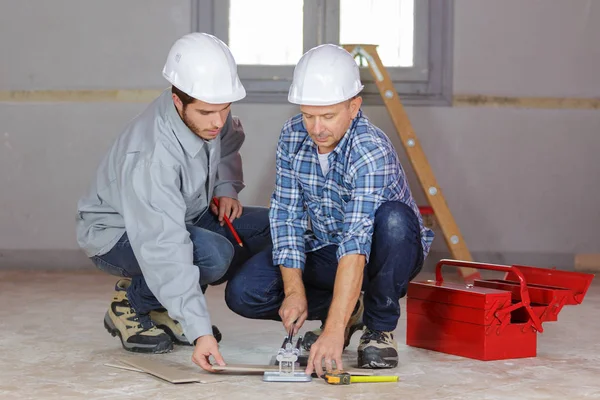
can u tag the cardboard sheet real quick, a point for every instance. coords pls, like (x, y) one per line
(172, 372)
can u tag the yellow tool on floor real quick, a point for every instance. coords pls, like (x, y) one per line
(344, 378)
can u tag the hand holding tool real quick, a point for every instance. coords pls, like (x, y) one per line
(344, 378)
(229, 225)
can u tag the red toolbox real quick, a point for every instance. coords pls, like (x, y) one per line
(492, 319)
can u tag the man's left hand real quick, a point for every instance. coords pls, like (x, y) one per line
(207, 346)
(329, 346)
(227, 206)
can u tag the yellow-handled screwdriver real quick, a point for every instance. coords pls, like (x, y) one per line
(344, 378)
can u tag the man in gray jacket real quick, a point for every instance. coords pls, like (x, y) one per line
(149, 215)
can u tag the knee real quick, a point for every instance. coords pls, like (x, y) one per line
(396, 220)
(225, 253)
(234, 291)
(213, 258)
(238, 298)
(249, 296)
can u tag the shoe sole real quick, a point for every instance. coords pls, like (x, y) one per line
(160, 348)
(368, 358)
(377, 365)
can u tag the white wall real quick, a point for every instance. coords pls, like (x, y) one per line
(523, 184)
(527, 47)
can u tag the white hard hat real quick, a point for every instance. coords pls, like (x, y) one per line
(203, 67)
(325, 75)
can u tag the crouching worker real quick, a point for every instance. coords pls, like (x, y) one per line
(149, 218)
(343, 220)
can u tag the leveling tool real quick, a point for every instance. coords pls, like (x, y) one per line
(344, 378)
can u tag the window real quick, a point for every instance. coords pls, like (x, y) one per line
(253, 42)
(370, 21)
(268, 37)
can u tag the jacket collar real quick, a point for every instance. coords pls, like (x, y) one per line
(191, 142)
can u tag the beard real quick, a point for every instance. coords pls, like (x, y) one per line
(189, 123)
(195, 128)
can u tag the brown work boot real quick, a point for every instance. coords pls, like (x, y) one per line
(377, 349)
(173, 328)
(354, 324)
(136, 331)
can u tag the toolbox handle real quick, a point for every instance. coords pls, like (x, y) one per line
(525, 301)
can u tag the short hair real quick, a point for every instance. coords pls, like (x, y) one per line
(184, 97)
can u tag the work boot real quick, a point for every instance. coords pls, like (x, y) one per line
(377, 349)
(173, 328)
(354, 324)
(136, 331)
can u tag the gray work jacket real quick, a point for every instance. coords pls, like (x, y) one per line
(157, 177)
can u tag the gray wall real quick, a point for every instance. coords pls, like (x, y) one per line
(522, 184)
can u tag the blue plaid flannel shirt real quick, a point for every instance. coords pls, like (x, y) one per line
(364, 173)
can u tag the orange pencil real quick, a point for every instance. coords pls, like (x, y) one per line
(228, 222)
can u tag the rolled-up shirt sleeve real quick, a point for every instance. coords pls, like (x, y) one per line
(287, 216)
(154, 213)
(373, 172)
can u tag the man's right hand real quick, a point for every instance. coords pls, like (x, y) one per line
(205, 347)
(294, 309)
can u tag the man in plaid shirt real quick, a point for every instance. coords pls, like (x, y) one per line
(342, 220)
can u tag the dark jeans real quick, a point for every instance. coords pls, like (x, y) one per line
(256, 290)
(216, 253)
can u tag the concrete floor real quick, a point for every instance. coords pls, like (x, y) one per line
(54, 347)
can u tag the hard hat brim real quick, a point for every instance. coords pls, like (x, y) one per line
(320, 102)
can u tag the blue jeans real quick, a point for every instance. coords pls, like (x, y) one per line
(256, 290)
(216, 253)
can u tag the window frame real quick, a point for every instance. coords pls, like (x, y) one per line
(427, 82)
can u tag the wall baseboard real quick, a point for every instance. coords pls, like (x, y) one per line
(148, 95)
(72, 259)
(68, 259)
(562, 261)
(587, 262)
